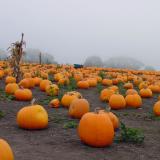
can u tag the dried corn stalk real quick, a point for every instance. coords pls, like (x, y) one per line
(16, 50)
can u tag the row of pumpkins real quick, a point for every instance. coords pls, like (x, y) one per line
(95, 128)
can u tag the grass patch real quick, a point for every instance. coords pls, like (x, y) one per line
(70, 124)
(5, 96)
(1, 114)
(130, 135)
(152, 116)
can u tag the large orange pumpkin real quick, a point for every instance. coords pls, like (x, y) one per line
(5, 151)
(32, 117)
(96, 129)
(78, 108)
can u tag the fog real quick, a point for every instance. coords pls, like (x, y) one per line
(72, 30)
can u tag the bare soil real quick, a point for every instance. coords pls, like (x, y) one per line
(58, 143)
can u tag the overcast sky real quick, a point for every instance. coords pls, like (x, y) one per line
(71, 30)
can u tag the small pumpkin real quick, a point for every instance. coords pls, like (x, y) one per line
(6, 152)
(44, 84)
(23, 94)
(83, 84)
(134, 100)
(106, 94)
(10, 79)
(55, 103)
(156, 108)
(69, 97)
(11, 88)
(146, 93)
(117, 101)
(78, 108)
(52, 90)
(131, 91)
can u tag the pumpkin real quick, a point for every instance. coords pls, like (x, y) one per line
(23, 94)
(31, 82)
(1, 74)
(134, 100)
(10, 79)
(131, 91)
(69, 97)
(107, 82)
(92, 82)
(52, 90)
(117, 101)
(156, 108)
(11, 88)
(78, 108)
(32, 117)
(128, 85)
(83, 84)
(114, 119)
(154, 88)
(24, 83)
(44, 84)
(145, 93)
(5, 151)
(106, 94)
(37, 81)
(96, 129)
(55, 103)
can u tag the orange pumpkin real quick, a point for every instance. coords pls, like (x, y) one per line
(69, 97)
(96, 129)
(145, 93)
(1, 74)
(131, 91)
(44, 84)
(106, 94)
(78, 108)
(117, 101)
(23, 94)
(83, 84)
(52, 90)
(24, 83)
(156, 108)
(10, 79)
(107, 82)
(32, 117)
(134, 100)
(11, 88)
(37, 81)
(5, 151)
(55, 103)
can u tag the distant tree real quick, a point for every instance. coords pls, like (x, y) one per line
(123, 62)
(93, 61)
(150, 68)
(32, 55)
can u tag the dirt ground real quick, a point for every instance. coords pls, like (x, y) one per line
(57, 143)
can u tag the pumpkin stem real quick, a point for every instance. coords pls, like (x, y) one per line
(33, 101)
(97, 109)
(108, 109)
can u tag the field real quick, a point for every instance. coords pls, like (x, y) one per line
(60, 139)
